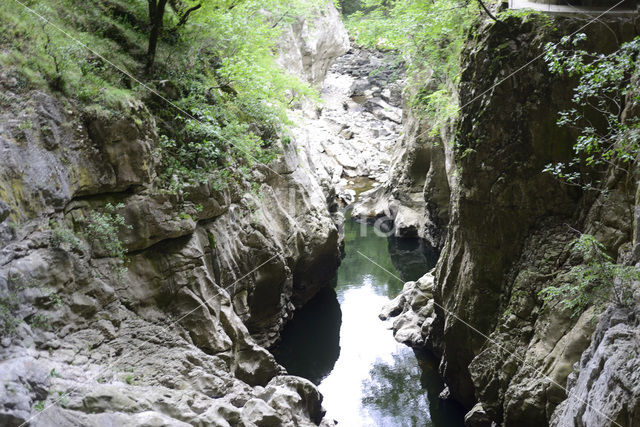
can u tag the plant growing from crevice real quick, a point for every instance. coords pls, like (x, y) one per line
(597, 282)
(607, 140)
(102, 230)
(63, 237)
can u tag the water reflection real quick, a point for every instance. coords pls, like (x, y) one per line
(375, 381)
(387, 398)
(412, 257)
(391, 403)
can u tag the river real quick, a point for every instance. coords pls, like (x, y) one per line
(337, 341)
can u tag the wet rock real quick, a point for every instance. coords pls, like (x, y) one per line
(477, 417)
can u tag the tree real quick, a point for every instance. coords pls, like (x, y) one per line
(609, 138)
(156, 15)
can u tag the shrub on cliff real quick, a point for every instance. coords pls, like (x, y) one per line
(609, 138)
(224, 95)
(596, 282)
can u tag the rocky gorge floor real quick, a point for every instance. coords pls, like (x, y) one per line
(349, 138)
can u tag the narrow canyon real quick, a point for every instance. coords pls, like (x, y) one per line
(318, 213)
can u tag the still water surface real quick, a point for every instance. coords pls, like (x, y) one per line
(338, 342)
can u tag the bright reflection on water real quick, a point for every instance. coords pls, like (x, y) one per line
(338, 342)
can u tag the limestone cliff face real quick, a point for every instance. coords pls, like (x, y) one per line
(309, 45)
(212, 276)
(507, 239)
(415, 195)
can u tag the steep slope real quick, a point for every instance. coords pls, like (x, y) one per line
(506, 355)
(212, 274)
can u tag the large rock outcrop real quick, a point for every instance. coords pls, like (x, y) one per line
(509, 227)
(415, 194)
(212, 275)
(310, 44)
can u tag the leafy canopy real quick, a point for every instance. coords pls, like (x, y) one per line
(429, 35)
(607, 139)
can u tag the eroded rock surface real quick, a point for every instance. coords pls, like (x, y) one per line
(212, 275)
(310, 45)
(507, 237)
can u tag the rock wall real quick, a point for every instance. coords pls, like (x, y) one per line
(414, 201)
(505, 355)
(211, 277)
(309, 45)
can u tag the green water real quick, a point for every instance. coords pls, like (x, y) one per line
(338, 342)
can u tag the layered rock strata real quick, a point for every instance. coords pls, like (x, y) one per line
(211, 275)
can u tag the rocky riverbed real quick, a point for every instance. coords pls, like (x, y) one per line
(351, 134)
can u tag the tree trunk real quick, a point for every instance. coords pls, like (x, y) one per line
(156, 13)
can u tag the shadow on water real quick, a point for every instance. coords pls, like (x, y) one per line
(412, 257)
(337, 341)
(310, 343)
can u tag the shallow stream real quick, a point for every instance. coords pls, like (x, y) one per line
(337, 341)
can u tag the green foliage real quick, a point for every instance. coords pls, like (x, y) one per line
(234, 95)
(597, 282)
(606, 139)
(40, 56)
(39, 406)
(64, 238)
(102, 231)
(130, 379)
(9, 307)
(231, 96)
(348, 7)
(62, 399)
(430, 36)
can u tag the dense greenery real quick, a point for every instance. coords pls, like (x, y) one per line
(228, 96)
(596, 282)
(429, 36)
(102, 229)
(607, 139)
